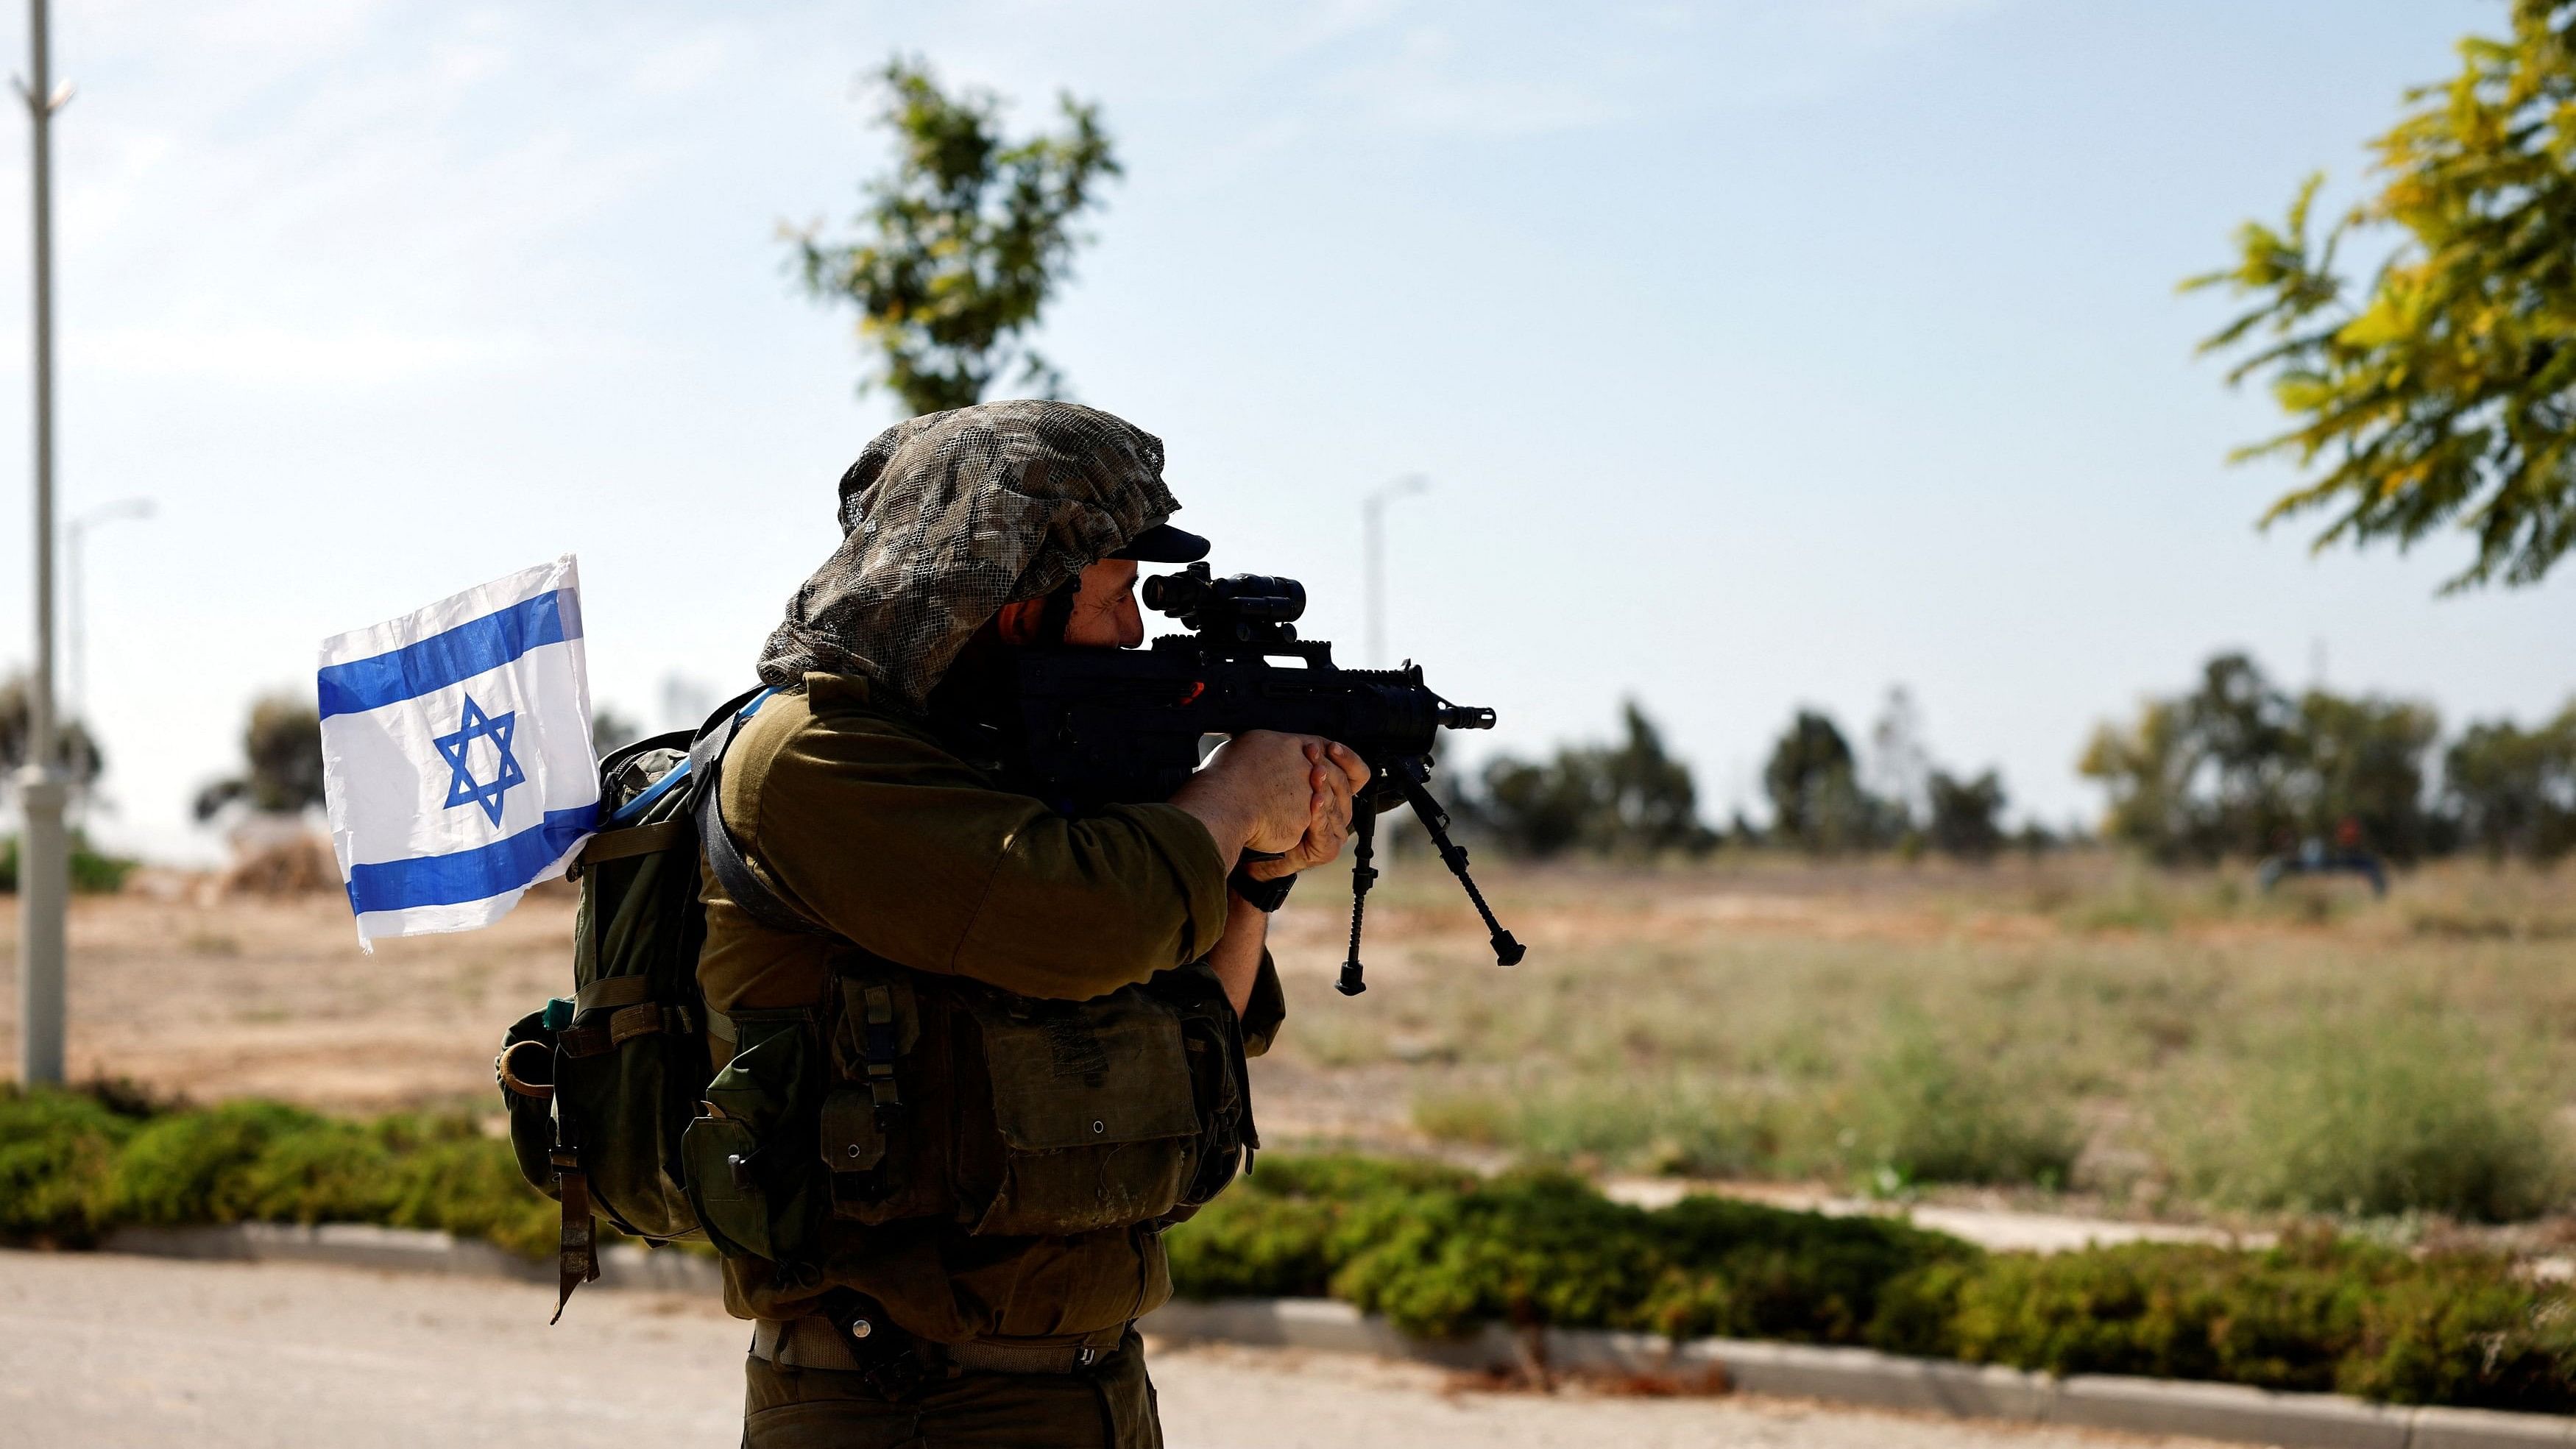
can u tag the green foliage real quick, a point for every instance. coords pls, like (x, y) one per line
(57, 1163)
(2441, 397)
(959, 248)
(74, 1164)
(2394, 1120)
(1439, 1253)
(2514, 790)
(1933, 1110)
(1438, 1250)
(1966, 815)
(1632, 798)
(76, 753)
(1814, 785)
(200, 1167)
(469, 1185)
(2316, 1313)
(94, 872)
(282, 756)
(611, 730)
(2239, 767)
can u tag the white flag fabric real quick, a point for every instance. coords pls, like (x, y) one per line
(456, 756)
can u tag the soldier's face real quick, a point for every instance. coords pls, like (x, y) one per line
(1104, 608)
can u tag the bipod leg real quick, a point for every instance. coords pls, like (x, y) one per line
(1507, 951)
(1363, 876)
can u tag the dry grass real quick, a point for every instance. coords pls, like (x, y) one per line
(2071, 1022)
(2153, 1042)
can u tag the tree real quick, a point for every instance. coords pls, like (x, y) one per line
(76, 754)
(611, 731)
(282, 749)
(1631, 798)
(1648, 800)
(959, 247)
(2446, 394)
(1816, 798)
(1967, 815)
(2515, 789)
(1539, 809)
(2239, 767)
(2361, 761)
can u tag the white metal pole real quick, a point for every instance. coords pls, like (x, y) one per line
(44, 861)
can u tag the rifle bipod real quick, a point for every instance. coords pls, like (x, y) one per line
(1435, 822)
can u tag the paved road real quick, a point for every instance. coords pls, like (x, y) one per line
(98, 1350)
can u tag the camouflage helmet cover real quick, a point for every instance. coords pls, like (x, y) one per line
(946, 518)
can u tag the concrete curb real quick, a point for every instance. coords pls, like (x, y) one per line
(1867, 1378)
(410, 1250)
(1856, 1376)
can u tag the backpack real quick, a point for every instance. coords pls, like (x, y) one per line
(601, 1084)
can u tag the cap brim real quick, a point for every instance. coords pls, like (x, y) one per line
(1163, 543)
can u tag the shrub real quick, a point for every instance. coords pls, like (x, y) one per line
(197, 1167)
(470, 1186)
(2389, 1121)
(1927, 1111)
(57, 1163)
(2315, 1313)
(1438, 1252)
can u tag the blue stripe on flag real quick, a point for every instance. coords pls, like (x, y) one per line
(469, 875)
(474, 647)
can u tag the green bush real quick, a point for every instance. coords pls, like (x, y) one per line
(2317, 1313)
(1929, 1110)
(93, 872)
(58, 1155)
(470, 1186)
(202, 1167)
(1438, 1252)
(2389, 1121)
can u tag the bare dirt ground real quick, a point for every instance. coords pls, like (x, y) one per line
(99, 1351)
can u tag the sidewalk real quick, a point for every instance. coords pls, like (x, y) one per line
(105, 1351)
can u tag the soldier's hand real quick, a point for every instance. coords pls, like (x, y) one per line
(1257, 792)
(1335, 773)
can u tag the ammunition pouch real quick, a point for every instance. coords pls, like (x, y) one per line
(916, 1096)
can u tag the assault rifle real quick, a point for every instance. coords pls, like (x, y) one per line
(1104, 725)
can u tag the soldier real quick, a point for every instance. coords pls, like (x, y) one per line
(947, 968)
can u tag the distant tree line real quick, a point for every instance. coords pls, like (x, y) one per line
(2240, 766)
(1632, 798)
(2236, 766)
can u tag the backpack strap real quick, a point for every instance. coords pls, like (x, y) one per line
(732, 871)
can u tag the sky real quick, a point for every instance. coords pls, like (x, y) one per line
(1759, 355)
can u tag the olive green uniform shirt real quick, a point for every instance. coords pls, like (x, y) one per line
(862, 819)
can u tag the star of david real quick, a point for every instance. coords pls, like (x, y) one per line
(465, 789)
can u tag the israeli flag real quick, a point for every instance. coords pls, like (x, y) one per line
(456, 757)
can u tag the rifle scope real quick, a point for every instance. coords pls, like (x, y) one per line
(1212, 605)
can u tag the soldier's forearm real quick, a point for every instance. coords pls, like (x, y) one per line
(1237, 957)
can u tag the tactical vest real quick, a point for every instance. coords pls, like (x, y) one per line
(901, 1095)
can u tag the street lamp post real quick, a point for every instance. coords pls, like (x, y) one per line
(75, 537)
(1373, 549)
(44, 860)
